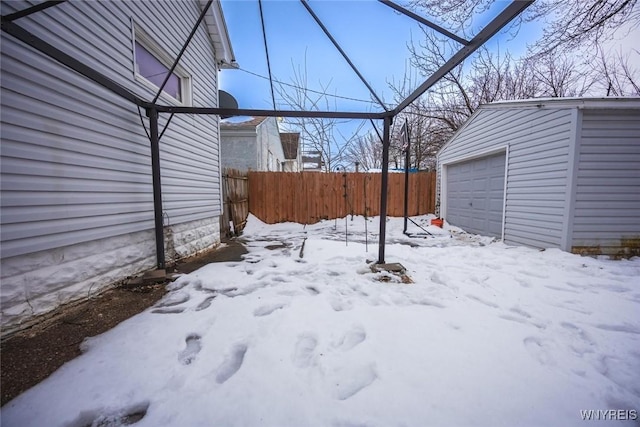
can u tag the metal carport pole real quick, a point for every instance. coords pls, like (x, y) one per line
(152, 113)
(31, 10)
(383, 187)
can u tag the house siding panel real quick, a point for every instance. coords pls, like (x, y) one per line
(239, 151)
(269, 142)
(246, 145)
(63, 134)
(608, 179)
(538, 141)
(76, 160)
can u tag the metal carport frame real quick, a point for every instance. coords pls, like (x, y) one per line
(153, 109)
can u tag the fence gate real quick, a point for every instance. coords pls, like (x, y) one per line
(235, 196)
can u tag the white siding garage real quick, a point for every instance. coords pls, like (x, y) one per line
(475, 194)
(570, 174)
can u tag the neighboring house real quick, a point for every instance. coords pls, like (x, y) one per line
(312, 161)
(77, 201)
(251, 143)
(292, 152)
(547, 173)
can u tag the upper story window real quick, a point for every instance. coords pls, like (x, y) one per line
(152, 65)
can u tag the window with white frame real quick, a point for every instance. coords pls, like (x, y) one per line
(152, 65)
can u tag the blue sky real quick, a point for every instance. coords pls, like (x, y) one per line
(373, 35)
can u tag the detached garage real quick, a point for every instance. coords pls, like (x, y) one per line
(547, 173)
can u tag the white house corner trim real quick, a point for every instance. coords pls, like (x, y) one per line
(443, 191)
(566, 239)
(506, 188)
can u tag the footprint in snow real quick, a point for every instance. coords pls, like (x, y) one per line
(579, 340)
(107, 417)
(188, 355)
(537, 349)
(252, 259)
(168, 304)
(339, 304)
(625, 327)
(534, 274)
(482, 301)
(352, 338)
(174, 299)
(168, 310)
(519, 316)
(427, 302)
(232, 363)
(312, 290)
(352, 381)
(513, 318)
(229, 292)
(205, 303)
(523, 283)
(266, 310)
(558, 288)
(303, 353)
(521, 312)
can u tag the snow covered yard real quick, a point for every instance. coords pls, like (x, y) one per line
(487, 335)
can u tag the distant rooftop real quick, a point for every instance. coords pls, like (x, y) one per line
(241, 122)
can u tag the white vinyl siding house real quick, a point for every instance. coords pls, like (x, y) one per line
(77, 200)
(252, 143)
(565, 161)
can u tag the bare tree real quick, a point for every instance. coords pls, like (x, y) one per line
(494, 76)
(569, 23)
(486, 77)
(318, 135)
(366, 150)
(557, 75)
(580, 23)
(613, 75)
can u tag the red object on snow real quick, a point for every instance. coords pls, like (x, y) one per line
(438, 222)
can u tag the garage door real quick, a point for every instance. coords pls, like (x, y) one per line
(475, 194)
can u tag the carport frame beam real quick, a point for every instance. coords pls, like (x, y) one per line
(507, 15)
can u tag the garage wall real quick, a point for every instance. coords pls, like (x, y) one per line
(538, 140)
(607, 201)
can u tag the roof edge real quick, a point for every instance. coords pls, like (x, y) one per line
(612, 102)
(219, 34)
(629, 102)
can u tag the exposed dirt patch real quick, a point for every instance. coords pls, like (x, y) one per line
(30, 356)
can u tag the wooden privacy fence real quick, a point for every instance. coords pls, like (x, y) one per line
(235, 196)
(308, 197)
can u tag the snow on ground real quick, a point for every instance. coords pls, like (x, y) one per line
(488, 335)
